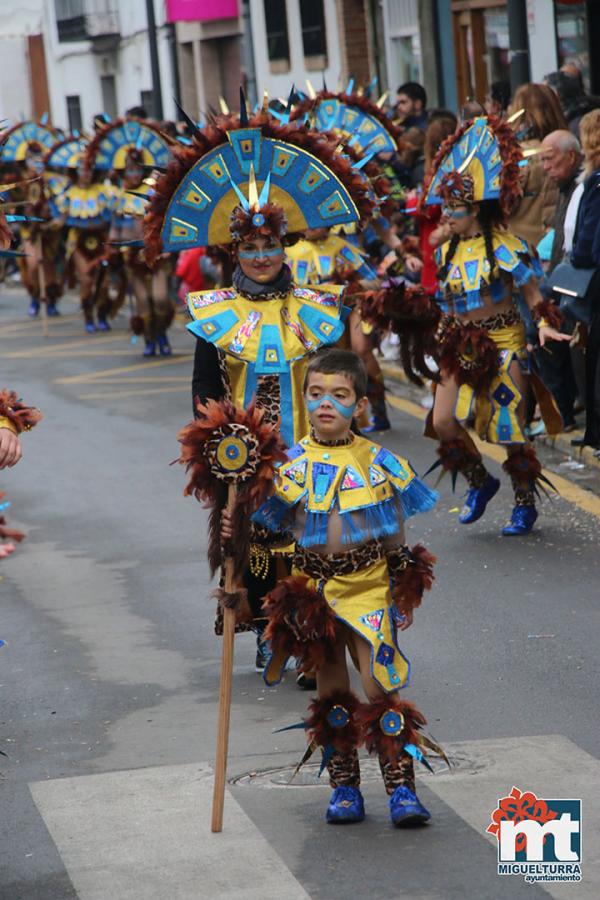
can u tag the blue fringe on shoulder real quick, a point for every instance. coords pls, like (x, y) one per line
(417, 498)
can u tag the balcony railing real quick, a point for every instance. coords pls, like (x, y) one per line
(87, 20)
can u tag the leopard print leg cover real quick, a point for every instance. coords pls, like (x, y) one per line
(396, 772)
(344, 769)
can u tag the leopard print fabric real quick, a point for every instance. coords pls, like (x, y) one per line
(491, 323)
(268, 397)
(324, 566)
(224, 374)
(396, 772)
(344, 770)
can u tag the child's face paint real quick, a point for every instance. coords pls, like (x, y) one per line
(331, 402)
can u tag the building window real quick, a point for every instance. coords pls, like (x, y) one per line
(572, 36)
(314, 40)
(74, 112)
(278, 45)
(109, 95)
(147, 101)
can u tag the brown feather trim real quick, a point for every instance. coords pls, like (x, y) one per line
(214, 135)
(468, 353)
(549, 311)
(455, 456)
(387, 746)
(22, 417)
(136, 323)
(252, 490)
(413, 316)
(243, 227)
(6, 235)
(358, 101)
(511, 154)
(523, 467)
(410, 581)
(343, 738)
(301, 623)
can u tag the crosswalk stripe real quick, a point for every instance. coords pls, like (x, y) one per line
(144, 834)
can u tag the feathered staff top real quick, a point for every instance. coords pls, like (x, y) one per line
(469, 273)
(369, 488)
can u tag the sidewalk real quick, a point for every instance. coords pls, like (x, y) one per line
(561, 442)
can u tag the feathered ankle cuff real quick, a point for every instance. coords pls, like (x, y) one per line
(411, 574)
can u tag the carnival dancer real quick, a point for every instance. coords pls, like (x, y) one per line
(131, 150)
(482, 356)
(250, 184)
(24, 146)
(15, 418)
(366, 133)
(354, 585)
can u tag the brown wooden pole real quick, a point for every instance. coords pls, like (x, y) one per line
(224, 694)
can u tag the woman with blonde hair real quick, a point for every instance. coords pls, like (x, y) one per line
(541, 115)
(586, 255)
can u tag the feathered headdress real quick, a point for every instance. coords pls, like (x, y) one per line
(479, 162)
(66, 154)
(111, 145)
(251, 175)
(18, 140)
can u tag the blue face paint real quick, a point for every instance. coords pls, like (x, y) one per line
(452, 213)
(259, 254)
(346, 411)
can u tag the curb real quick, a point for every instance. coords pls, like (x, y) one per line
(559, 442)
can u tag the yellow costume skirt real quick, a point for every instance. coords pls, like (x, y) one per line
(362, 600)
(493, 409)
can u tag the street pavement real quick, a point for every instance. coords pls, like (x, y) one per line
(110, 673)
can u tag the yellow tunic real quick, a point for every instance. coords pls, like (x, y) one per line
(313, 262)
(267, 343)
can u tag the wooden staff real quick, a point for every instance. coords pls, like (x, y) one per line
(42, 277)
(225, 691)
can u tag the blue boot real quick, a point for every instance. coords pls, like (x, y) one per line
(163, 345)
(378, 423)
(52, 310)
(477, 500)
(346, 805)
(522, 521)
(34, 308)
(149, 349)
(406, 810)
(103, 325)
(90, 328)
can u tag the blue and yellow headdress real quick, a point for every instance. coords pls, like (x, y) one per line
(18, 139)
(112, 145)
(252, 176)
(66, 154)
(479, 162)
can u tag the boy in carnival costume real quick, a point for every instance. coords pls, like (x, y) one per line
(481, 350)
(354, 585)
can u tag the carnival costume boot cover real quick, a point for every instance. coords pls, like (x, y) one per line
(367, 589)
(245, 178)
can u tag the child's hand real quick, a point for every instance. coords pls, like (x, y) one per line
(408, 618)
(226, 526)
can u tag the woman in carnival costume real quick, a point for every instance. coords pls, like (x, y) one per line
(249, 184)
(23, 149)
(131, 150)
(482, 356)
(367, 135)
(342, 500)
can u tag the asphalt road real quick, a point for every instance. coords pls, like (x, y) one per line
(109, 676)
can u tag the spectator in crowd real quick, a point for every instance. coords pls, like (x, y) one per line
(542, 115)
(586, 255)
(498, 99)
(411, 105)
(568, 84)
(561, 160)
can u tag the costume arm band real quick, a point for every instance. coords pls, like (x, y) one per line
(547, 315)
(15, 415)
(411, 574)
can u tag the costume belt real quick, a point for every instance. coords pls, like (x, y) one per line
(325, 566)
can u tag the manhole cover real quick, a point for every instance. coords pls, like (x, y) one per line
(369, 771)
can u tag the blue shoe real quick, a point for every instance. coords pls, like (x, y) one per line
(90, 328)
(163, 345)
(34, 308)
(52, 310)
(263, 654)
(103, 325)
(150, 349)
(378, 423)
(346, 805)
(477, 500)
(406, 810)
(522, 521)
